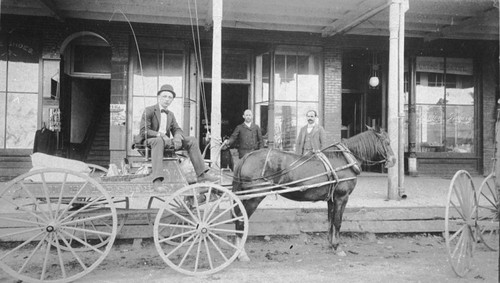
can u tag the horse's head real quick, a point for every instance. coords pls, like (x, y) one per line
(384, 146)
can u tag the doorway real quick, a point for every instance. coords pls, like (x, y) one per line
(234, 101)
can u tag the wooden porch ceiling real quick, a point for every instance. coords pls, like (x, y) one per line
(430, 19)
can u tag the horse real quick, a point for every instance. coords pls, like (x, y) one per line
(329, 175)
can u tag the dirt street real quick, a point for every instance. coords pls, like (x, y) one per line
(306, 258)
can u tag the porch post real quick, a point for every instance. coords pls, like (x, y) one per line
(215, 118)
(396, 53)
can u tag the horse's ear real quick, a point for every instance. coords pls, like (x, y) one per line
(369, 128)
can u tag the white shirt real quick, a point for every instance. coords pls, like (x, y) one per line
(163, 122)
(248, 124)
(310, 127)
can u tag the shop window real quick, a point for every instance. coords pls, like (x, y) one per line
(19, 80)
(296, 90)
(159, 67)
(445, 104)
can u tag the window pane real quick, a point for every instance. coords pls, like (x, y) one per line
(285, 125)
(285, 77)
(459, 105)
(430, 131)
(50, 77)
(146, 80)
(261, 117)
(21, 119)
(3, 75)
(171, 72)
(23, 76)
(2, 119)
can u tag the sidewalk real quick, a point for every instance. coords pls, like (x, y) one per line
(371, 191)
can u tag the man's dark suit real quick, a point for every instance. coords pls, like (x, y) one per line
(150, 124)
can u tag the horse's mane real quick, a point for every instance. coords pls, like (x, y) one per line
(363, 145)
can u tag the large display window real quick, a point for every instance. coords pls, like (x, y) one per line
(445, 101)
(19, 77)
(159, 67)
(296, 90)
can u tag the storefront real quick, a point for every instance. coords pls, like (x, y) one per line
(61, 76)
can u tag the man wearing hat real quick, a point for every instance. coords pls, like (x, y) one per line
(159, 126)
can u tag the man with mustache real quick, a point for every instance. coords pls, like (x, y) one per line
(312, 137)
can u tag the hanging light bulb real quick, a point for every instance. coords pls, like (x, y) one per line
(374, 80)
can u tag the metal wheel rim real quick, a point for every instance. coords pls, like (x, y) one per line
(39, 258)
(200, 253)
(488, 225)
(461, 244)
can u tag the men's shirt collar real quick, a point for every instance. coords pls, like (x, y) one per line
(248, 124)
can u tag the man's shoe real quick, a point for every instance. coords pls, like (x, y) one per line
(207, 178)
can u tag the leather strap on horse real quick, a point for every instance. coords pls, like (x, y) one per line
(332, 176)
(349, 157)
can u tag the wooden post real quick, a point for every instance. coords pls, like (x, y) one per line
(215, 118)
(497, 135)
(392, 97)
(403, 7)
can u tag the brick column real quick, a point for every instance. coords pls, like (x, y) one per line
(332, 98)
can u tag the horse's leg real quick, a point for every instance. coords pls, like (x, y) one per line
(335, 213)
(250, 207)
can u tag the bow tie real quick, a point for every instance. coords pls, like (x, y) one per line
(163, 111)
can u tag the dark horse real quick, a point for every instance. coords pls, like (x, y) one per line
(328, 176)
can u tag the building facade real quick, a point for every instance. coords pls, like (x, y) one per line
(89, 81)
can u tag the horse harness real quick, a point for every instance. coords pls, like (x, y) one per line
(331, 173)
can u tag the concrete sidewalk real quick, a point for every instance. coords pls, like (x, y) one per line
(371, 191)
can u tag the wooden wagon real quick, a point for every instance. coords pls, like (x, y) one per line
(59, 224)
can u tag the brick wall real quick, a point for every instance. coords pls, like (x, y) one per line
(489, 67)
(332, 103)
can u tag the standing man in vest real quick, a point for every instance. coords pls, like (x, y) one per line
(247, 134)
(312, 137)
(160, 128)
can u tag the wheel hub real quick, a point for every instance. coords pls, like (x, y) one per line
(203, 229)
(51, 227)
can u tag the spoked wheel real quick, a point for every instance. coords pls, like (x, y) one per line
(488, 213)
(200, 219)
(461, 210)
(166, 232)
(81, 228)
(48, 230)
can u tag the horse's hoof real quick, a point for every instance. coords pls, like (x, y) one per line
(341, 253)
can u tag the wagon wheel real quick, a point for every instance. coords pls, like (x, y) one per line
(44, 244)
(94, 224)
(201, 218)
(488, 213)
(166, 232)
(461, 213)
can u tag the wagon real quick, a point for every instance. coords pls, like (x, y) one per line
(59, 224)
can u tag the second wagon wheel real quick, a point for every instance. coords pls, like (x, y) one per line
(487, 223)
(42, 219)
(460, 222)
(200, 218)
